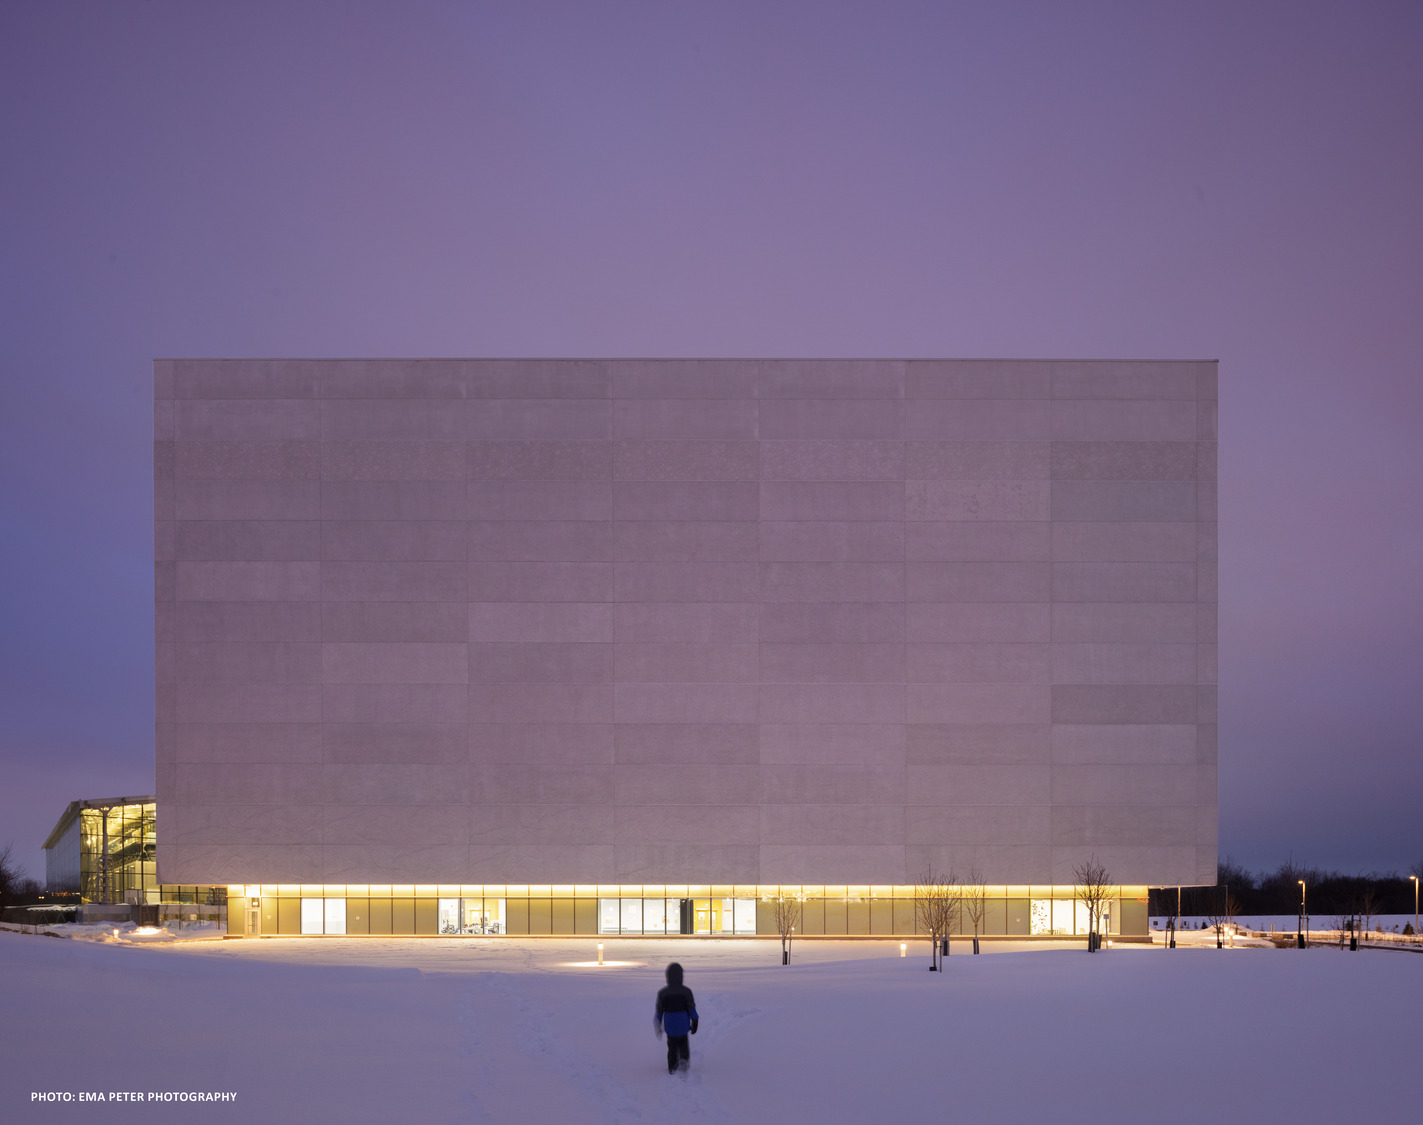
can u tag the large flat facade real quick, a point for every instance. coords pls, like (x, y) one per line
(641, 622)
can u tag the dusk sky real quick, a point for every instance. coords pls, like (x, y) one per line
(1227, 181)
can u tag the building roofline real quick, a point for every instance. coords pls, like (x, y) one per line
(66, 818)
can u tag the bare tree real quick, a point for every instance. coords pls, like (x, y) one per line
(937, 898)
(1094, 890)
(10, 875)
(1221, 918)
(788, 908)
(975, 902)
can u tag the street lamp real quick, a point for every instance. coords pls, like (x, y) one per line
(1415, 906)
(1303, 915)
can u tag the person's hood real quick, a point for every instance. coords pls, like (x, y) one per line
(674, 973)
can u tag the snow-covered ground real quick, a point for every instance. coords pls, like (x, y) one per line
(410, 1030)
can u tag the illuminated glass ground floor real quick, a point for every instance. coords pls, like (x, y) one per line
(483, 910)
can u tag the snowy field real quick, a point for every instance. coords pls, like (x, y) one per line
(401, 1030)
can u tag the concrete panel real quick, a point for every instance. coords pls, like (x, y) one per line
(978, 420)
(857, 785)
(1119, 784)
(1122, 379)
(242, 743)
(963, 582)
(832, 622)
(529, 784)
(832, 703)
(650, 784)
(830, 379)
(1138, 623)
(396, 863)
(549, 418)
(986, 541)
(248, 621)
(392, 378)
(1005, 622)
(234, 863)
(244, 378)
(977, 500)
(394, 703)
(540, 460)
(1123, 460)
(821, 663)
(244, 663)
(238, 824)
(832, 582)
(1151, 826)
(393, 581)
(685, 460)
(257, 420)
(1207, 664)
(1124, 743)
(241, 460)
(686, 541)
(684, 418)
(248, 581)
(538, 378)
(1206, 501)
(548, 824)
(404, 825)
(392, 420)
(951, 744)
(525, 500)
(420, 662)
(1207, 623)
(248, 783)
(1157, 502)
(978, 378)
(392, 500)
(977, 703)
(684, 378)
(394, 621)
(1123, 582)
(164, 421)
(549, 663)
(392, 460)
(639, 863)
(687, 500)
(1013, 784)
(820, 418)
(1206, 379)
(246, 500)
(385, 783)
(1105, 420)
(546, 744)
(686, 581)
(1124, 664)
(977, 824)
(540, 703)
(867, 825)
(165, 581)
(1124, 542)
(540, 581)
(686, 703)
(710, 824)
(686, 663)
(246, 540)
(539, 540)
(1123, 703)
(979, 663)
(707, 744)
(844, 541)
(977, 460)
(832, 500)
(792, 864)
(398, 743)
(832, 460)
(703, 623)
(1207, 421)
(1207, 703)
(837, 744)
(393, 540)
(541, 621)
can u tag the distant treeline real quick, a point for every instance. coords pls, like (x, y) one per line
(1330, 893)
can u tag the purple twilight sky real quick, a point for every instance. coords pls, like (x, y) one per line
(1204, 180)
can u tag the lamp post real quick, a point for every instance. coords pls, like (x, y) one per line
(1303, 915)
(1415, 906)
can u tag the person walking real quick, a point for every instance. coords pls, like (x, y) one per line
(677, 1016)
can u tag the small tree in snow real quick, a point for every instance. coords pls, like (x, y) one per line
(936, 905)
(1224, 908)
(1095, 891)
(975, 902)
(788, 908)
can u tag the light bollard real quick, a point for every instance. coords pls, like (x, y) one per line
(904, 949)
(600, 953)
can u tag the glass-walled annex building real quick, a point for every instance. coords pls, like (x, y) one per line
(104, 849)
(660, 911)
(489, 647)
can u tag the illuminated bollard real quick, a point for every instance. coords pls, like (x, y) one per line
(904, 949)
(600, 953)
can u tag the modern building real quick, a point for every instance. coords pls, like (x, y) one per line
(103, 849)
(627, 645)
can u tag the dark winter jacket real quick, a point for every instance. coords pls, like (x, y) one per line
(676, 1008)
